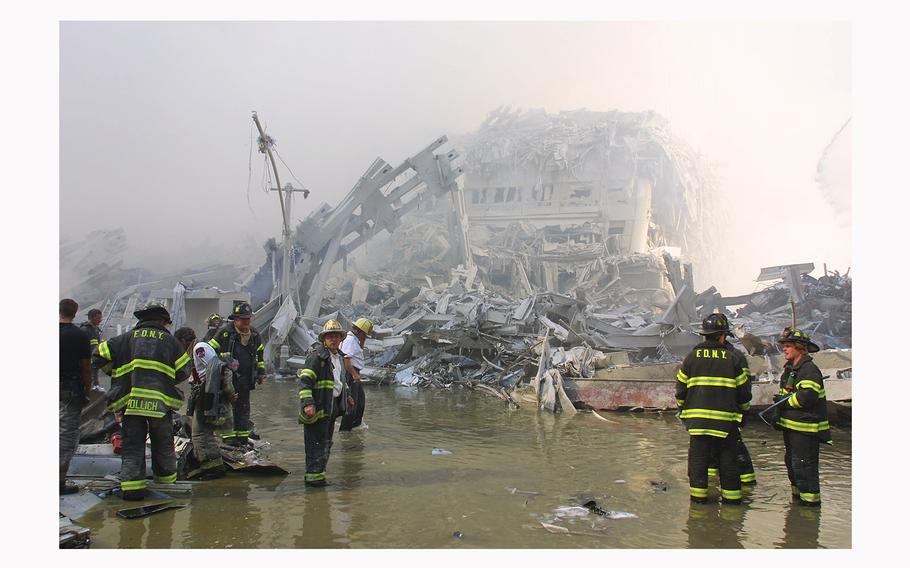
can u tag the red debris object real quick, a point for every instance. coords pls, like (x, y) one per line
(117, 443)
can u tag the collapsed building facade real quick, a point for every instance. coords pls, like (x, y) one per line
(560, 201)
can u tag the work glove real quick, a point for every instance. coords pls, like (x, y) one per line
(742, 421)
(777, 398)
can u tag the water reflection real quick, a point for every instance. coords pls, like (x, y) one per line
(155, 531)
(508, 471)
(801, 527)
(715, 526)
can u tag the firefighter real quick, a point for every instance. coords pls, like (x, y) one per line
(239, 345)
(712, 392)
(91, 327)
(743, 462)
(804, 417)
(323, 397)
(353, 363)
(213, 322)
(145, 365)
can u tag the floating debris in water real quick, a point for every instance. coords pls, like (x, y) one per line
(592, 506)
(620, 481)
(440, 452)
(659, 485)
(554, 528)
(571, 511)
(514, 490)
(457, 534)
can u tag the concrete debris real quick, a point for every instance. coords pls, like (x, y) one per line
(73, 535)
(821, 306)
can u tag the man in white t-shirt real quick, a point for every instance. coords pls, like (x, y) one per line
(353, 363)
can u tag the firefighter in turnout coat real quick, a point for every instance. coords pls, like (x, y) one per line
(712, 392)
(145, 365)
(240, 346)
(324, 396)
(804, 417)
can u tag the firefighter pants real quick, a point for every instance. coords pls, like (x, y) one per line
(743, 463)
(354, 418)
(317, 440)
(206, 443)
(164, 460)
(240, 431)
(801, 457)
(70, 413)
(701, 450)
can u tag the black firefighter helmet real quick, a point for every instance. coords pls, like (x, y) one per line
(153, 311)
(798, 336)
(714, 324)
(241, 311)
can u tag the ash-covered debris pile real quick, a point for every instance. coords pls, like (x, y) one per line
(822, 306)
(463, 333)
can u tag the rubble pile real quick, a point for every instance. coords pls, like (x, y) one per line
(582, 167)
(465, 333)
(826, 313)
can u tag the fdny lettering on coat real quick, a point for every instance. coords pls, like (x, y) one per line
(711, 353)
(150, 333)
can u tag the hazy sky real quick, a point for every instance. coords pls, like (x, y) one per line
(155, 126)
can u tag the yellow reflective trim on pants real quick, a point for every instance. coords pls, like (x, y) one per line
(166, 479)
(133, 485)
(707, 432)
(746, 477)
(698, 491)
(712, 471)
(813, 427)
(711, 414)
(679, 403)
(711, 382)
(731, 493)
(314, 476)
(810, 497)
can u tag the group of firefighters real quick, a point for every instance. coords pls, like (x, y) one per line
(713, 394)
(146, 364)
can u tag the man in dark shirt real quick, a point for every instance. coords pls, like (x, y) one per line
(75, 383)
(92, 329)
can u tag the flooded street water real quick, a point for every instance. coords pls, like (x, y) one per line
(508, 471)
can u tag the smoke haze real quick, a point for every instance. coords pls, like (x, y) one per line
(156, 136)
